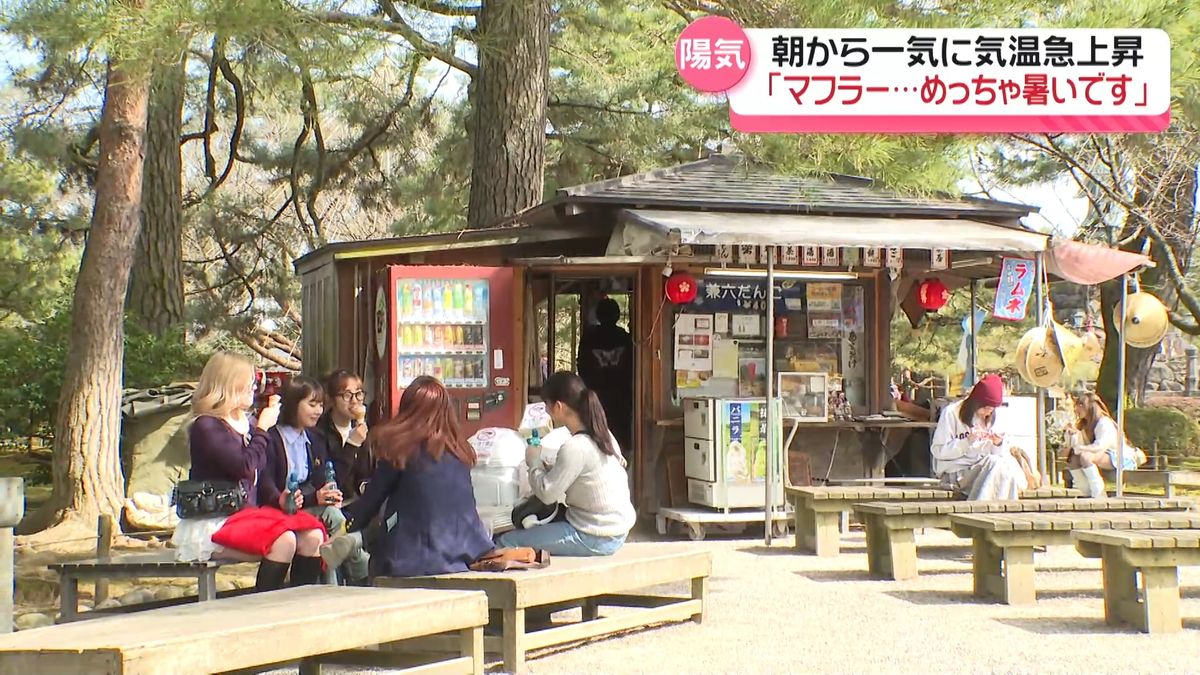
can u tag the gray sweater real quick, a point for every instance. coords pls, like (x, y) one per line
(593, 485)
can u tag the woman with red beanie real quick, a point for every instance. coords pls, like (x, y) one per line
(970, 457)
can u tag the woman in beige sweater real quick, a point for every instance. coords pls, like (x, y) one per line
(588, 475)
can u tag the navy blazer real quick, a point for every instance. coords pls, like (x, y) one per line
(273, 479)
(430, 522)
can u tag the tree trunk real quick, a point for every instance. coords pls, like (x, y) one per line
(87, 461)
(156, 287)
(509, 135)
(1137, 361)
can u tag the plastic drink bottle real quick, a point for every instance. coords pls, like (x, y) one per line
(293, 484)
(415, 312)
(469, 302)
(330, 475)
(480, 302)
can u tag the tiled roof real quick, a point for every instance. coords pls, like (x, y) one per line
(725, 182)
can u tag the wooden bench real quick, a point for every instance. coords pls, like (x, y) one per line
(161, 564)
(312, 625)
(818, 511)
(620, 580)
(891, 526)
(1155, 556)
(1004, 542)
(1165, 479)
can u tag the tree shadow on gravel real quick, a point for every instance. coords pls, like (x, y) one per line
(938, 597)
(1079, 625)
(863, 575)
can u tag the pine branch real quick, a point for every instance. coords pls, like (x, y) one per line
(556, 102)
(396, 25)
(445, 8)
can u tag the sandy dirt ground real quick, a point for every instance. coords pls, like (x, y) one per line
(771, 611)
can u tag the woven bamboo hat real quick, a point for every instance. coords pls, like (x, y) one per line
(1146, 320)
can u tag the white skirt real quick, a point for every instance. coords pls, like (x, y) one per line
(193, 539)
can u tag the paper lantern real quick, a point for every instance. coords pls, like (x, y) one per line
(932, 294)
(681, 288)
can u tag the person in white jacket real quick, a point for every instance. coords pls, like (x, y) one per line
(1093, 446)
(971, 457)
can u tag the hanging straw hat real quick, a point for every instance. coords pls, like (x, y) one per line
(1146, 320)
(1043, 361)
(1037, 333)
(1068, 344)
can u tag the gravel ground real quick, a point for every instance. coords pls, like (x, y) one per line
(772, 611)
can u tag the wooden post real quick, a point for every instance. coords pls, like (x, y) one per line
(104, 542)
(12, 509)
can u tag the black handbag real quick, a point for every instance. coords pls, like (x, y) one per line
(207, 498)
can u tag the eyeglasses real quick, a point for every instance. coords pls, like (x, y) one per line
(349, 396)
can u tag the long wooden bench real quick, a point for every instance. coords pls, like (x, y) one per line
(312, 625)
(1155, 556)
(1003, 543)
(620, 580)
(891, 526)
(160, 564)
(818, 510)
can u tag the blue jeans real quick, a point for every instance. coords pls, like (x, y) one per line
(561, 538)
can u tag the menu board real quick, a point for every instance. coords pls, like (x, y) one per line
(441, 331)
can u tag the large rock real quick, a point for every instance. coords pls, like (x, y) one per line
(135, 597)
(33, 620)
(110, 603)
(168, 593)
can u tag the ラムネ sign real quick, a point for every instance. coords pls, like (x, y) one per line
(1014, 288)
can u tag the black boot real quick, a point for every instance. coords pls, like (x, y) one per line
(305, 571)
(270, 575)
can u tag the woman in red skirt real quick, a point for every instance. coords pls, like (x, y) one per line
(228, 447)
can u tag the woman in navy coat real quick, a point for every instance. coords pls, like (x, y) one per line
(422, 481)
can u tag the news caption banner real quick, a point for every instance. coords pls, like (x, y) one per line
(899, 80)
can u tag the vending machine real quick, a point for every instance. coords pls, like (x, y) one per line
(455, 323)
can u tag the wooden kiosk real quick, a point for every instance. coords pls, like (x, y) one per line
(848, 255)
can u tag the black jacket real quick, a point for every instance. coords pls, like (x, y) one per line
(353, 465)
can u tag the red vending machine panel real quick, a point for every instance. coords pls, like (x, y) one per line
(454, 323)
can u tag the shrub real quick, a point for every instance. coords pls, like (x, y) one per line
(33, 356)
(1172, 431)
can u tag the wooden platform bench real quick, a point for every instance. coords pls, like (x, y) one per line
(1003, 543)
(311, 625)
(891, 526)
(1153, 555)
(161, 564)
(620, 580)
(818, 511)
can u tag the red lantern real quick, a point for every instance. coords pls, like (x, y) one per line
(932, 294)
(681, 288)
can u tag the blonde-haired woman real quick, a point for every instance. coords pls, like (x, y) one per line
(228, 447)
(1093, 446)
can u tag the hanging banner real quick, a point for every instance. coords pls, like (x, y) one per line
(939, 259)
(747, 254)
(724, 253)
(829, 256)
(812, 256)
(873, 256)
(895, 257)
(791, 255)
(766, 253)
(1014, 288)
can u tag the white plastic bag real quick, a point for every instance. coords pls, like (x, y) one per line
(497, 448)
(535, 418)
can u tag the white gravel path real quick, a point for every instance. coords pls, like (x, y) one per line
(774, 612)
